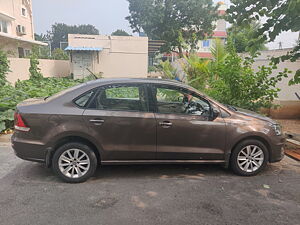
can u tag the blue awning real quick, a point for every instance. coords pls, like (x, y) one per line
(70, 48)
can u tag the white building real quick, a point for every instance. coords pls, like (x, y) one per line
(16, 28)
(112, 56)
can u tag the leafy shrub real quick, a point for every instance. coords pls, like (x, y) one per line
(240, 86)
(34, 70)
(230, 79)
(169, 72)
(59, 54)
(4, 68)
(45, 86)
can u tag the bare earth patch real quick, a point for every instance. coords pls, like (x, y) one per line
(292, 126)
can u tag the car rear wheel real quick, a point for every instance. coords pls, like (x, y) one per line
(249, 158)
(74, 162)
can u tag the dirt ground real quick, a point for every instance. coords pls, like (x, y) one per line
(292, 126)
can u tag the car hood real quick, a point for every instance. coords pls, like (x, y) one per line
(254, 115)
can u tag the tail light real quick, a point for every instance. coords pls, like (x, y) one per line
(19, 123)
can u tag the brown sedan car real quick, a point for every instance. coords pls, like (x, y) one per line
(136, 121)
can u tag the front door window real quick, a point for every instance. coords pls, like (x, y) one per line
(180, 101)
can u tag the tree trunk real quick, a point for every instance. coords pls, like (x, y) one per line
(180, 51)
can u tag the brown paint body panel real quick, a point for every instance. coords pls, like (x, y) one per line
(123, 135)
(190, 138)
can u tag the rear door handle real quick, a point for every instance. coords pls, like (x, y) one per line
(97, 121)
(165, 124)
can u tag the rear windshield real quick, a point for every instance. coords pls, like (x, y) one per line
(64, 92)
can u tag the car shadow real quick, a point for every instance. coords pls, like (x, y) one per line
(28, 172)
(159, 171)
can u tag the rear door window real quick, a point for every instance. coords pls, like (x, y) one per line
(83, 99)
(131, 97)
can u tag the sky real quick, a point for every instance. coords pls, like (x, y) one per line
(106, 15)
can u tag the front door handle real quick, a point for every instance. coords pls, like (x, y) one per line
(97, 121)
(165, 124)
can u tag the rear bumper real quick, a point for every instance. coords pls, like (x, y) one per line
(29, 150)
(277, 149)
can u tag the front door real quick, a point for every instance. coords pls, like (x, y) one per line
(185, 130)
(119, 116)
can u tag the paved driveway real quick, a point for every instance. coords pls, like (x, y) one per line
(164, 194)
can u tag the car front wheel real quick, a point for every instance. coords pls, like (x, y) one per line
(249, 158)
(74, 162)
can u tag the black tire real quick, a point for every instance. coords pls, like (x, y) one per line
(85, 149)
(236, 151)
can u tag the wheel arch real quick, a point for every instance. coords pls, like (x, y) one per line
(72, 138)
(253, 137)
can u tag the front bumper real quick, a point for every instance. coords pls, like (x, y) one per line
(277, 148)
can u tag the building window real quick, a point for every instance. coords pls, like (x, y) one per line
(21, 30)
(27, 52)
(205, 44)
(21, 52)
(24, 12)
(3, 26)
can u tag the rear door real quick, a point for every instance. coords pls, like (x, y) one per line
(120, 119)
(185, 129)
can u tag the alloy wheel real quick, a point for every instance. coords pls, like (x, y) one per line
(250, 158)
(74, 163)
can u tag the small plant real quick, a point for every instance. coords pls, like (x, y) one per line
(34, 70)
(4, 68)
(168, 71)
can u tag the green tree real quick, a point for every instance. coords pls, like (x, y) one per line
(173, 21)
(280, 16)
(59, 32)
(40, 37)
(59, 54)
(120, 33)
(244, 39)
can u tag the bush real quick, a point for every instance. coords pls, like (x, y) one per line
(59, 54)
(237, 84)
(4, 68)
(230, 78)
(34, 70)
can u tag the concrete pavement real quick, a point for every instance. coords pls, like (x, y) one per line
(152, 194)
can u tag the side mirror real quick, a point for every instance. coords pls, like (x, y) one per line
(215, 113)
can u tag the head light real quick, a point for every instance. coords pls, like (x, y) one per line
(277, 129)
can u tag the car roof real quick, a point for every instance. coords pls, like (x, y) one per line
(104, 81)
(109, 81)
